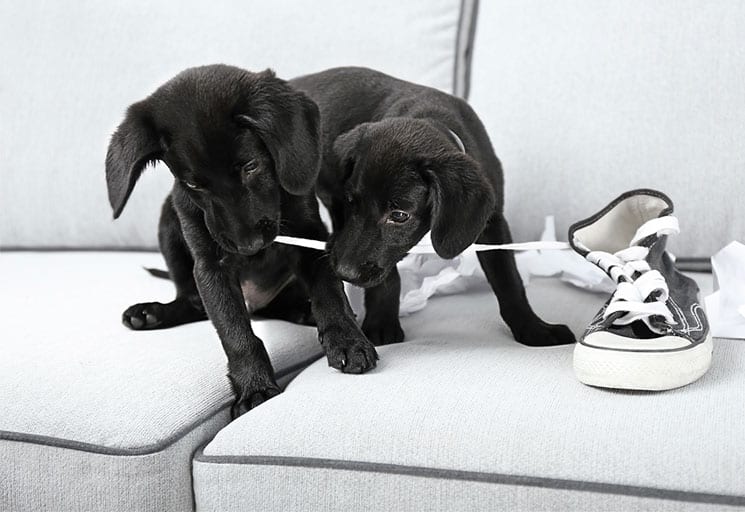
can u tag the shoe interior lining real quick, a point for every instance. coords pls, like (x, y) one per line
(613, 231)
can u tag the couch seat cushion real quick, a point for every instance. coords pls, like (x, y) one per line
(461, 417)
(72, 377)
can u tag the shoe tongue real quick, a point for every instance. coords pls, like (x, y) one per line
(620, 224)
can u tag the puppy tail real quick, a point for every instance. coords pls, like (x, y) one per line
(156, 272)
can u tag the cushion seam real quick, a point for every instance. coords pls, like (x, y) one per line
(464, 38)
(477, 476)
(70, 444)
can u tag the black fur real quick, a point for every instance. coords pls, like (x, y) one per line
(388, 151)
(244, 151)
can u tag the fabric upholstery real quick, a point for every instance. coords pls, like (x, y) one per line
(460, 400)
(71, 69)
(584, 100)
(38, 476)
(74, 378)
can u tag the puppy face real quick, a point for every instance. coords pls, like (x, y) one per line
(232, 140)
(402, 178)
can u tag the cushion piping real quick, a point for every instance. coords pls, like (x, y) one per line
(6, 435)
(464, 47)
(477, 476)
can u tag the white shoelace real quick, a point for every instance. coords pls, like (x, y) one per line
(632, 294)
(425, 245)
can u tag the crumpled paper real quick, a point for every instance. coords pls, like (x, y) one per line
(424, 276)
(725, 307)
(566, 265)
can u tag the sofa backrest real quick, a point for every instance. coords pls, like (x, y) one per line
(585, 99)
(582, 99)
(70, 69)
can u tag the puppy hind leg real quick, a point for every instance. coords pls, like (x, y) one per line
(187, 307)
(501, 272)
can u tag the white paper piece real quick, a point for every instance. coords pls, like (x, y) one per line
(725, 307)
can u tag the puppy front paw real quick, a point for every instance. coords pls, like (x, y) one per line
(148, 315)
(542, 334)
(348, 351)
(252, 388)
(383, 332)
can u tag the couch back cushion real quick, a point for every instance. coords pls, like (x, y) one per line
(584, 100)
(69, 70)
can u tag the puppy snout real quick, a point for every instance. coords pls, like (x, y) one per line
(347, 271)
(251, 247)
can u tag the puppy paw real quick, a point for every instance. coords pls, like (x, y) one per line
(148, 315)
(542, 334)
(252, 388)
(348, 351)
(383, 333)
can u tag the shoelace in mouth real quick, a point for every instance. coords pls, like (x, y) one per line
(642, 293)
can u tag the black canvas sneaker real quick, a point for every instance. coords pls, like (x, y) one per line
(652, 334)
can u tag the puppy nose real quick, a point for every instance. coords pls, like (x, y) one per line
(267, 225)
(347, 271)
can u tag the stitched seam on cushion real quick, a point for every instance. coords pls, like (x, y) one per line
(57, 442)
(88, 248)
(468, 55)
(81, 446)
(476, 476)
(464, 48)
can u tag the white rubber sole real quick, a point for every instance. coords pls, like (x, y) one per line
(652, 371)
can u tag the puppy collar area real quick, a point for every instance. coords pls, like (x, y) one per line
(425, 245)
(457, 140)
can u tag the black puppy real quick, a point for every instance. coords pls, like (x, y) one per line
(400, 159)
(244, 149)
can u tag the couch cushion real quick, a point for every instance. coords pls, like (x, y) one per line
(584, 100)
(70, 70)
(87, 400)
(461, 417)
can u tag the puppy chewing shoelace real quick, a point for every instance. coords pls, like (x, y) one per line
(642, 292)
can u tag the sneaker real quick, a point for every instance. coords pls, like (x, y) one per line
(652, 334)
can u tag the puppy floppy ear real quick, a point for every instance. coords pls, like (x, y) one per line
(289, 124)
(462, 202)
(345, 145)
(134, 144)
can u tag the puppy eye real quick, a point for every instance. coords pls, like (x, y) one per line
(250, 167)
(191, 185)
(398, 216)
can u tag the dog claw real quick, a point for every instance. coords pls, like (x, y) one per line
(246, 402)
(355, 355)
(143, 316)
(134, 322)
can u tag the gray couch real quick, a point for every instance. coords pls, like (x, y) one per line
(582, 100)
